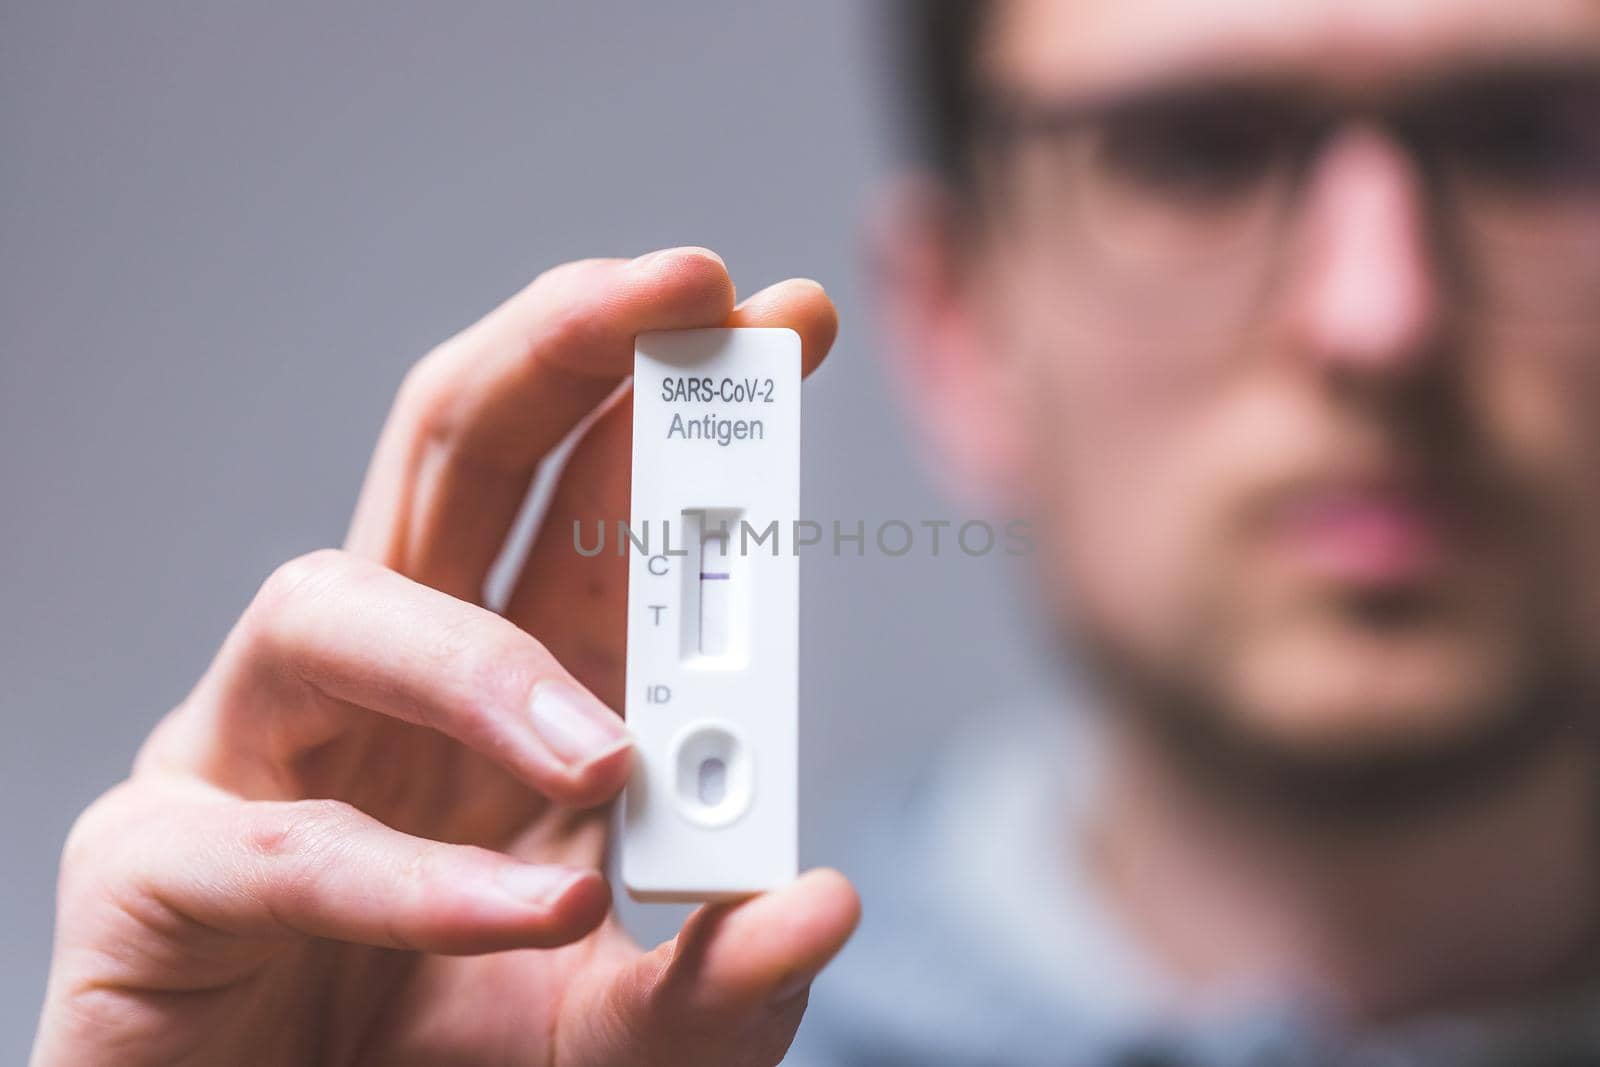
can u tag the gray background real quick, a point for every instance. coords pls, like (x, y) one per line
(228, 229)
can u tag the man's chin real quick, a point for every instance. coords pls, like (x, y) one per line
(1355, 725)
(1328, 689)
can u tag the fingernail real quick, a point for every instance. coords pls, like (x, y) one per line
(575, 725)
(538, 884)
(650, 259)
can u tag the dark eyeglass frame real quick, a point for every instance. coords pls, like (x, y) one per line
(1427, 114)
(1513, 212)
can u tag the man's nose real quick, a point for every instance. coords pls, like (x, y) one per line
(1365, 299)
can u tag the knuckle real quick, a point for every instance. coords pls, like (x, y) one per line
(573, 273)
(103, 821)
(571, 298)
(429, 395)
(293, 584)
(580, 316)
(305, 574)
(488, 651)
(417, 868)
(491, 665)
(107, 846)
(298, 831)
(563, 309)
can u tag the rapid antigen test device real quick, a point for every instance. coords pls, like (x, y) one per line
(713, 604)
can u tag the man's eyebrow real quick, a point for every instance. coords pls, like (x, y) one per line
(1155, 93)
(1189, 88)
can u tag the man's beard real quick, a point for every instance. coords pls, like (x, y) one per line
(1362, 783)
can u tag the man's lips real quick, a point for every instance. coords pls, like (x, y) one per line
(1370, 535)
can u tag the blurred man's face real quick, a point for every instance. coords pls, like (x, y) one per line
(1292, 311)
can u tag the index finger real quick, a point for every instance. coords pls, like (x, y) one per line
(477, 415)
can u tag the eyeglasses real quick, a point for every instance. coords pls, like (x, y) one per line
(1177, 201)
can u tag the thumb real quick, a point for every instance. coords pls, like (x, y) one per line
(728, 990)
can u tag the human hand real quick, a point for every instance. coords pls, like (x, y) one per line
(372, 833)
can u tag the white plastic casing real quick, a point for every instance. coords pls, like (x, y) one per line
(710, 811)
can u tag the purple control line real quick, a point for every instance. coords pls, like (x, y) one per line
(707, 576)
